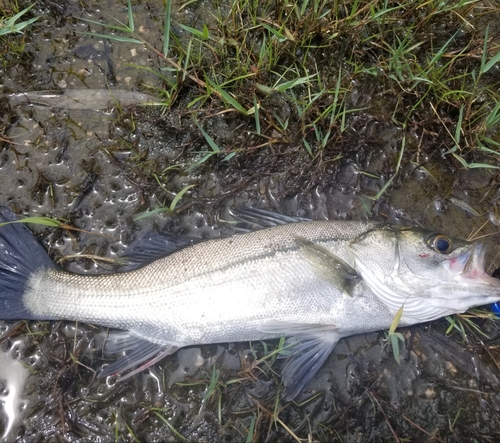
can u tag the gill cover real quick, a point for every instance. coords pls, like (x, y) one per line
(428, 273)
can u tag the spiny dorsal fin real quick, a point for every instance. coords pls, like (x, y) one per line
(260, 218)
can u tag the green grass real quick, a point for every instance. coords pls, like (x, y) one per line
(12, 32)
(169, 209)
(222, 390)
(296, 77)
(309, 55)
(289, 72)
(10, 24)
(462, 323)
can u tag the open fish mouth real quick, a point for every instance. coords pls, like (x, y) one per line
(469, 267)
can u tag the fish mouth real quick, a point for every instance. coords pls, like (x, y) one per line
(469, 267)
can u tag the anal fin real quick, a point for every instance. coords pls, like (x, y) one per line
(139, 354)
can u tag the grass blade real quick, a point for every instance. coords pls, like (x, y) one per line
(179, 196)
(123, 28)
(210, 140)
(227, 97)
(9, 26)
(482, 165)
(130, 16)
(458, 129)
(250, 436)
(45, 221)
(281, 38)
(493, 61)
(396, 320)
(486, 66)
(308, 147)
(202, 35)
(164, 420)
(290, 84)
(494, 116)
(14, 18)
(166, 27)
(118, 38)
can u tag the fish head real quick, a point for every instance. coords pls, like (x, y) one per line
(430, 274)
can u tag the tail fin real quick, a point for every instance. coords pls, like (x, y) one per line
(20, 255)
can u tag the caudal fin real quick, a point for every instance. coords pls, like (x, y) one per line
(20, 255)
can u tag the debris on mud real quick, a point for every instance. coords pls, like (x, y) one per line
(325, 110)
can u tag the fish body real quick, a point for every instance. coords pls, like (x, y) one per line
(314, 282)
(216, 291)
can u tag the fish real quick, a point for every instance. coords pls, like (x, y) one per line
(312, 282)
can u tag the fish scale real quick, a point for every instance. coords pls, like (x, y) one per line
(312, 281)
(268, 285)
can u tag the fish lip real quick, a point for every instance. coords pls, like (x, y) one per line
(469, 267)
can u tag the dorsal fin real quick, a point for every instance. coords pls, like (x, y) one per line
(262, 218)
(151, 247)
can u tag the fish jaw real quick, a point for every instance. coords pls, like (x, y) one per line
(470, 285)
(469, 268)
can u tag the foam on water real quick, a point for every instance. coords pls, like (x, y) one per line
(13, 375)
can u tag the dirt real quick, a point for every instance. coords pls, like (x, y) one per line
(98, 168)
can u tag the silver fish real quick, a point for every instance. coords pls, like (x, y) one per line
(313, 282)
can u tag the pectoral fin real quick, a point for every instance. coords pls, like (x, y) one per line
(139, 354)
(328, 266)
(307, 349)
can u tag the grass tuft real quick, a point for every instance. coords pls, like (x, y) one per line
(252, 54)
(11, 25)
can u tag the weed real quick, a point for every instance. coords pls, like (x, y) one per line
(252, 51)
(169, 209)
(463, 322)
(396, 337)
(290, 74)
(10, 25)
(164, 420)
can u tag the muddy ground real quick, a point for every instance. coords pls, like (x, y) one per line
(97, 161)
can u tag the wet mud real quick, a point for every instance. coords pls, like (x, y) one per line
(79, 144)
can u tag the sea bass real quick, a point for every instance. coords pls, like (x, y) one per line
(311, 281)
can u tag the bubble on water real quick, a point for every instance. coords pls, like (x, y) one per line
(13, 375)
(190, 360)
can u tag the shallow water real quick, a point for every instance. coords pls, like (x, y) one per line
(13, 376)
(99, 167)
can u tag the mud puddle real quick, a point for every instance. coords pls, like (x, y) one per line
(99, 159)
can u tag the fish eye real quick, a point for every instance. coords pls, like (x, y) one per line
(440, 243)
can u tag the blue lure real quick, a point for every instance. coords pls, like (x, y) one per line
(495, 307)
